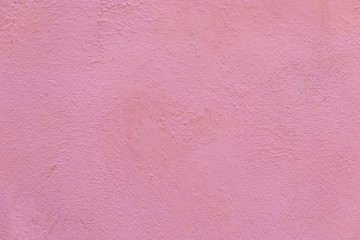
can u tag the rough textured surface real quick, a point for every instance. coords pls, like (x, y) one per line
(168, 119)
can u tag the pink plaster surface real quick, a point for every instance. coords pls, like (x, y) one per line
(180, 119)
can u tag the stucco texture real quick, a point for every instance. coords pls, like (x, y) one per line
(179, 120)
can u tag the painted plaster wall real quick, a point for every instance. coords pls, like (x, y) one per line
(164, 119)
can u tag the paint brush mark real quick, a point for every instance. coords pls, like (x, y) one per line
(324, 13)
(51, 228)
(82, 222)
(35, 222)
(52, 169)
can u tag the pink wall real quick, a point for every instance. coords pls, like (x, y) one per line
(180, 119)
